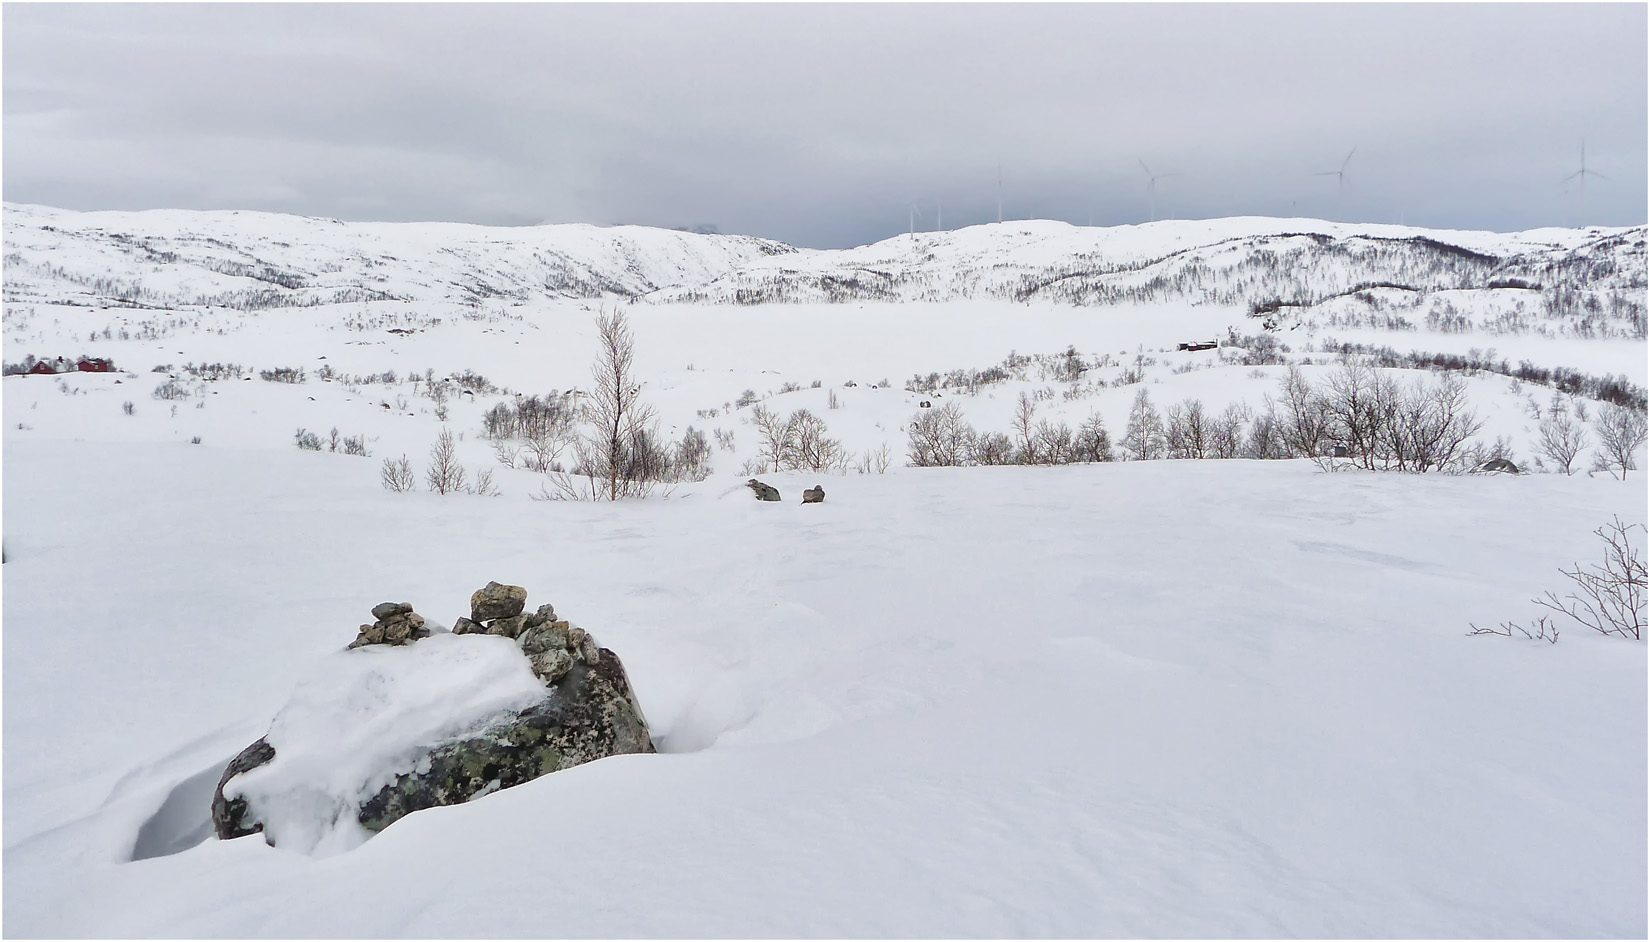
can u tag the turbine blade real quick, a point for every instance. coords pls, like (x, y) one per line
(1145, 168)
(1348, 158)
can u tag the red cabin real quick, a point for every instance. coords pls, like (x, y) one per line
(95, 365)
(43, 368)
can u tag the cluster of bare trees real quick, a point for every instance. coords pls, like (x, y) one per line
(445, 475)
(943, 438)
(1360, 415)
(796, 443)
(533, 432)
(623, 455)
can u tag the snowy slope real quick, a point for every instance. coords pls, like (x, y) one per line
(176, 258)
(1155, 699)
(1147, 699)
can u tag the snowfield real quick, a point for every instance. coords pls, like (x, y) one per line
(1221, 698)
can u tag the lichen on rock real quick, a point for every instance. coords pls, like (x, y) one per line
(588, 711)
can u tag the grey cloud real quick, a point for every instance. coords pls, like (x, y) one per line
(819, 123)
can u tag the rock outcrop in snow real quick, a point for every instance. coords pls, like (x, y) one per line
(392, 727)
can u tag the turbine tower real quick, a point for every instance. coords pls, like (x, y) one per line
(999, 191)
(1151, 187)
(915, 212)
(1582, 175)
(1339, 175)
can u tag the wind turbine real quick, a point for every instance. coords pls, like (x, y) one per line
(1339, 175)
(1582, 175)
(999, 191)
(1151, 186)
(915, 212)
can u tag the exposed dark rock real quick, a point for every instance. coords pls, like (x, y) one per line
(1499, 465)
(814, 495)
(590, 714)
(763, 491)
(229, 814)
(497, 601)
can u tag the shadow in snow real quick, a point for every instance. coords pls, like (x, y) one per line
(184, 818)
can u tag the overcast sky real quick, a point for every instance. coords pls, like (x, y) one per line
(821, 124)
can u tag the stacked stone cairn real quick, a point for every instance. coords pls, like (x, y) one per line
(396, 623)
(551, 646)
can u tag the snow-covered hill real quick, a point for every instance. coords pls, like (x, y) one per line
(1560, 281)
(1129, 698)
(180, 259)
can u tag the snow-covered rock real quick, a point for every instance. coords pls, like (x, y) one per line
(382, 731)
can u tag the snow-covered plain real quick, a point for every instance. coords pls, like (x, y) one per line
(1169, 698)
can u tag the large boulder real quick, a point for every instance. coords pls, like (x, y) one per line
(229, 815)
(591, 713)
(566, 701)
(763, 491)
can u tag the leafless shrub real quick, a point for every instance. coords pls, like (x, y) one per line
(990, 448)
(622, 420)
(773, 438)
(356, 445)
(484, 484)
(445, 475)
(439, 394)
(1545, 630)
(1093, 442)
(1186, 430)
(307, 440)
(1144, 436)
(809, 448)
(692, 459)
(1025, 412)
(1610, 598)
(1266, 439)
(1621, 430)
(171, 389)
(1226, 438)
(396, 476)
(128, 408)
(939, 438)
(1304, 422)
(1053, 443)
(1561, 440)
(505, 452)
(724, 439)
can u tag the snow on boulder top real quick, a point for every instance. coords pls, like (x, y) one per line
(366, 715)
